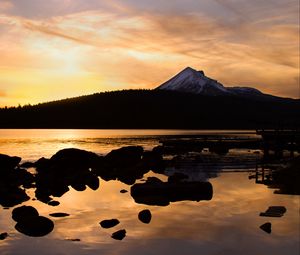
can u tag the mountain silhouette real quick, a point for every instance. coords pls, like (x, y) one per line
(190, 100)
(192, 81)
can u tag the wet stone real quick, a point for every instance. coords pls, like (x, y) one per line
(23, 213)
(36, 226)
(109, 223)
(59, 215)
(267, 227)
(274, 211)
(3, 236)
(53, 203)
(119, 235)
(145, 216)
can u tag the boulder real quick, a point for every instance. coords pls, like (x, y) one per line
(35, 227)
(109, 223)
(145, 216)
(267, 227)
(119, 235)
(162, 193)
(24, 213)
(8, 163)
(3, 236)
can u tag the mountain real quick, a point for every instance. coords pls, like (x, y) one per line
(191, 81)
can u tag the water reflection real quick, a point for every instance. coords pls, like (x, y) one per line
(228, 211)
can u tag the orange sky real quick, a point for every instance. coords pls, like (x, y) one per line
(62, 48)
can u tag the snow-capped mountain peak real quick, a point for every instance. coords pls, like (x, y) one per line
(192, 81)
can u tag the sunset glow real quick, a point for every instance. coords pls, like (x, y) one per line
(57, 49)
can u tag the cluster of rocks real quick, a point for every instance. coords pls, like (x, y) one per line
(13, 181)
(30, 223)
(144, 216)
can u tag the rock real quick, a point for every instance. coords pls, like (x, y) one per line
(274, 211)
(267, 227)
(27, 164)
(59, 215)
(3, 236)
(109, 223)
(73, 240)
(35, 227)
(8, 163)
(177, 177)
(54, 203)
(119, 235)
(145, 216)
(125, 156)
(23, 213)
(162, 193)
(123, 191)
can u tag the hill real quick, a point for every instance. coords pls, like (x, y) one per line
(155, 109)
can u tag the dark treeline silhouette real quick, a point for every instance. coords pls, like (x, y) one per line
(155, 109)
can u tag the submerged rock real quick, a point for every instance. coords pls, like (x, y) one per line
(3, 236)
(119, 235)
(109, 223)
(274, 211)
(8, 163)
(24, 212)
(54, 203)
(35, 227)
(267, 227)
(59, 215)
(145, 216)
(162, 193)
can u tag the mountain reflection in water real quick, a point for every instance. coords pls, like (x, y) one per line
(196, 200)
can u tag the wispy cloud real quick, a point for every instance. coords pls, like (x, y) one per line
(120, 44)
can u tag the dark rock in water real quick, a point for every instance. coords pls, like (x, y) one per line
(119, 235)
(92, 181)
(177, 177)
(59, 215)
(153, 160)
(3, 236)
(53, 203)
(125, 155)
(73, 240)
(8, 163)
(42, 163)
(35, 226)
(74, 159)
(145, 216)
(124, 164)
(274, 211)
(267, 227)
(78, 186)
(23, 213)
(162, 193)
(68, 167)
(28, 164)
(123, 191)
(12, 196)
(109, 223)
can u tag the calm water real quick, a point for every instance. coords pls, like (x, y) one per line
(227, 224)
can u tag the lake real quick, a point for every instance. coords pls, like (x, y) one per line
(227, 223)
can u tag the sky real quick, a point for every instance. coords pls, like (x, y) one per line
(57, 49)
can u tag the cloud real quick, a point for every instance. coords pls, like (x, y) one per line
(130, 44)
(6, 5)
